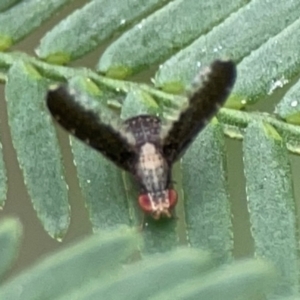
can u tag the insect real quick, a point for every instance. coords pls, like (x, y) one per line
(144, 145)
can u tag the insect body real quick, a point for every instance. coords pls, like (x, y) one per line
(143, 145)
(151, 168)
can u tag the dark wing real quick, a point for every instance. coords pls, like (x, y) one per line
(87, 126)
(205, 100)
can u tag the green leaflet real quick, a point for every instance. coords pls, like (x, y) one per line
(3, 180)
(91, 25)
(271, 202)
(270, 66)
(235, 38)
(149, 277)
(37, 148)
(5, 4)
(206, 199)
(162, 34)
(288, 107)
(10, 238)
(246, 280)
(22, 18)
(95, 257)
(102, 187)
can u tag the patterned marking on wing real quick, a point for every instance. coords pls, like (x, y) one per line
(87, 126)
(210, 92)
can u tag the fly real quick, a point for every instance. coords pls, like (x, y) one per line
(143, 145)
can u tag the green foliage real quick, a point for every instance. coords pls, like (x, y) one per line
(183, 35)
(99, 268)
(10, 238)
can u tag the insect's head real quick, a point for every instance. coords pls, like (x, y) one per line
(158, 205)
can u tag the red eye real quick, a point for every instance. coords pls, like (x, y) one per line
(145, 203)
(172, 198)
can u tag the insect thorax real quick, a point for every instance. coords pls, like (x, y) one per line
(152, 169)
